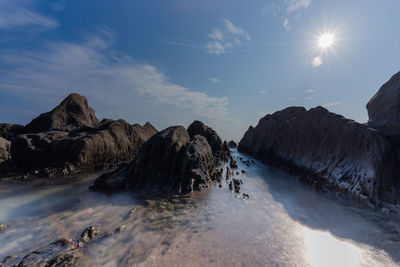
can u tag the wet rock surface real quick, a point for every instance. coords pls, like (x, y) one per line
(173, 160)
(69, 139)
(326, 147)
(233, 164)
(63, 252)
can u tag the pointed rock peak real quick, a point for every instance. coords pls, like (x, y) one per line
(384, 107)
(73, 113)
(199, 128)
(149, 126)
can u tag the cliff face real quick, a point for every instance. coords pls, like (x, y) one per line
(349, 156)
(384, 107)
(384, 111)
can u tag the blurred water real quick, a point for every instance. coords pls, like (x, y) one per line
(282, 224)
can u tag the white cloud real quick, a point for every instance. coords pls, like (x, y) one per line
(263, 92)
(292, 99)
(13, 15)
(292, 10)
(215, 80)
(310, 97)
(226, 37)
(309, 91)
(295, 5)
(332, 104)
(317, 61)
(94, 69)
(286, 24)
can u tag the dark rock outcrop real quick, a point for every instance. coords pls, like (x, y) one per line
(70, 138)
(220, 149)
(8, 130)
(5, 147)
(329, 148)
(384, 111)
(170, 161)
(232, 144)
(58, 253)
(102, 147)
(384, 107)
(73, 113)
(62, 252)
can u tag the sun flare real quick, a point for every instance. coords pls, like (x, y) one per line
(326, 40)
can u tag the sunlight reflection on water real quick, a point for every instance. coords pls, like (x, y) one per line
(282, 224)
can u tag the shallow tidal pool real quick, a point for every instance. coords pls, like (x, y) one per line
(283, 223)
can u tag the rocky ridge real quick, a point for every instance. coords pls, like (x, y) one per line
(70, 138)
(329, 150)
(174, 160)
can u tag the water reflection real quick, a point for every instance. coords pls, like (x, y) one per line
(282, 224)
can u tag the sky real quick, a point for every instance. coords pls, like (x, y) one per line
(227, 63)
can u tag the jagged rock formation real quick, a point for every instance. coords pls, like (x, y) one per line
(8, 130)
(71, 138)
(384, 111)
(220, 150)
(384, 107)
(232, 144)
(173, 160)
(112, 142)
(5, 146)
(63, 252)
(331, 149)
(73, 113)
(4, 149)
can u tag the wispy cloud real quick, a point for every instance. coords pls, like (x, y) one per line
(309, 91)
(263, 92)
(226, 37)
(95, 69)
(13, 15)
(310, 97)
(292, 99)
(296, 5)
(215, 80)
(292, 10)
(332, 104)
(317, 61)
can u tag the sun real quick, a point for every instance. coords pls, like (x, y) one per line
(326, 40)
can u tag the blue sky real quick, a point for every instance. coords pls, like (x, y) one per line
(227, 63)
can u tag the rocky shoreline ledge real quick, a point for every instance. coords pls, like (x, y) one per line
(330, 151)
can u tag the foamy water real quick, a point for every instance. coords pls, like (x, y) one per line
(282, 224)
